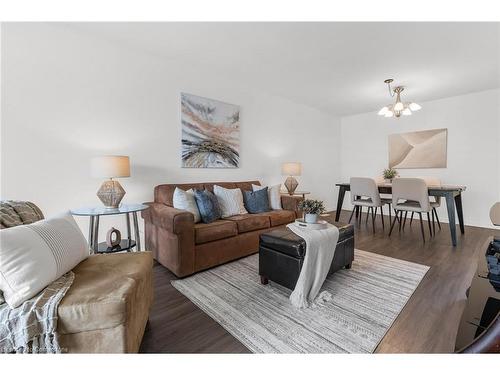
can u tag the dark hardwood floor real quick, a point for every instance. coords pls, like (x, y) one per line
(427, 324)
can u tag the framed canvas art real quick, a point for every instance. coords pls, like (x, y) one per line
(421, 149)
(210, 133)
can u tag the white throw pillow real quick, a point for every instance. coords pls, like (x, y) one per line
(34, 255)
(184, 200)
(273, 193)
(230, 201)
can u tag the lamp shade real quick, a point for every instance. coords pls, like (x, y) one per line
(110, 166)
(291, 169)
(495, 214)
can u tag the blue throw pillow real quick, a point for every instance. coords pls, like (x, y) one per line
(256, 201)
(207, 205)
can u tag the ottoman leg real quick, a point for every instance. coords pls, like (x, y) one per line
(264, 280)
(348, 266)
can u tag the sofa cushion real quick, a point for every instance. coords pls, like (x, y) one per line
(214, 231)
(280, 217)
(108, 289)
(250, 222)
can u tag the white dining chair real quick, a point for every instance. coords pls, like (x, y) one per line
(411, 194)
(435, 202)
(364, 193)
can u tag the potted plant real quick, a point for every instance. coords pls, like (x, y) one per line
(390, 174)
(311, 208)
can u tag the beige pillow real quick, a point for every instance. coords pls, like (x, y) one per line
(184, 200)
(34, 255)
(230, 201)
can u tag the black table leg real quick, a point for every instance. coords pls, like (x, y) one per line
(450, 205)
(129, 236)
(340, 201)
(458, 204)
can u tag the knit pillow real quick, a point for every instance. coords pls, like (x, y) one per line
(184, 200)
(256, 201)
(230, 201)
(34, 255)
(208, 205)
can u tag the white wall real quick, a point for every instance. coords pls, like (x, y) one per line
(67, 97)
(473, 124)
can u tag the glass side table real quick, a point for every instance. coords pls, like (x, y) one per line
(94, 213)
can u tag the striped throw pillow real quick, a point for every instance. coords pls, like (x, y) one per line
(230, 201)
(34, 255)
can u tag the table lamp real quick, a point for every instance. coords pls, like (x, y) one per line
(495, 214)
(111, 192)
(291, 170)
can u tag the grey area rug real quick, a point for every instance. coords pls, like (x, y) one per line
(365, 302)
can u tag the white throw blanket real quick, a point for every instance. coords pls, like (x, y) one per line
(320, 249)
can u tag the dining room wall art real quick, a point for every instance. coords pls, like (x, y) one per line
(210, 133)
(419, 149)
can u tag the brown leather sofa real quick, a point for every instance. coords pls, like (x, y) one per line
(185, 247)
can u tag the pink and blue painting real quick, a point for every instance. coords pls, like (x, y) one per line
(210, 133)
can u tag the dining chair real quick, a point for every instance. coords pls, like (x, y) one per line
(387, 198)
(436, 202)
(364, 193)
(411, 194)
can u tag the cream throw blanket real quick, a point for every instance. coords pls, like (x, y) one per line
(320, 249)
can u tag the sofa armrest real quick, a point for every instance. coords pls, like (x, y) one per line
(291, 203)
(172, 219)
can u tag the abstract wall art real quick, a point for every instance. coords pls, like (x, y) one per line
(422, 149)
(210, 133)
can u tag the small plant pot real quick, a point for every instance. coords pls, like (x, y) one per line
(311, 218)
(388, 180)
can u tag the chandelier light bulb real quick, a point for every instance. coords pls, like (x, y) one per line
(383, 111)
(389, 114)
(415, 106)
(406, 112)
(399, 106)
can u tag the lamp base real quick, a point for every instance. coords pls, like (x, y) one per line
(291, 184)
(111, 194)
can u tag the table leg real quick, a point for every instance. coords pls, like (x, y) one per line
(96, 234)
(458, 204)
(91, 233)
(450, 205)
(136, 230)
(129, 237)
(340, 201)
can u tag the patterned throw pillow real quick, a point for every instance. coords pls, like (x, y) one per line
(230, 201)
(273, 193)
(208, 205)
(256, 201)
(184, 200)
(32, 256)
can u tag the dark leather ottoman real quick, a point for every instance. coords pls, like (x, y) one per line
(281, 254)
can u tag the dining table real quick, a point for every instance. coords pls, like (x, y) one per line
(451, 193)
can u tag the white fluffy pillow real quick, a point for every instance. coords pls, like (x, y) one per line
(230, 201)
(34, 255)
(273, 193)
(184, 200)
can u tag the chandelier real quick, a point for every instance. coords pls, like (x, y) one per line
(398, 108)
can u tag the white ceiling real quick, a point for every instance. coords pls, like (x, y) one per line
(336, 67)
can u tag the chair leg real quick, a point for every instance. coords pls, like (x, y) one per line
(360, 214)
(382, 216)
(429, 223)
(368, 214)
(404, 221)
(373, 218)
(433, 223)
(393, 222)
(397, 217)
(352, 213)
(437, 218)
(411, 218)
(400, 220)
(390, 218)
(422, 226)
